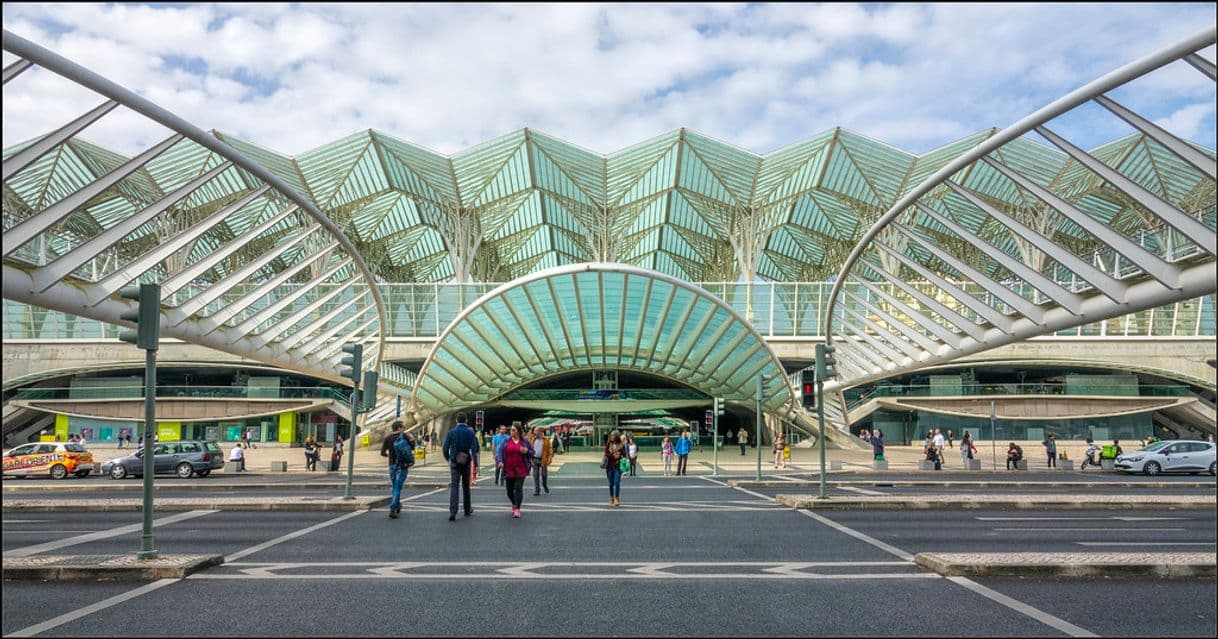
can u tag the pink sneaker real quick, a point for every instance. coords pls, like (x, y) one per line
(516, 513)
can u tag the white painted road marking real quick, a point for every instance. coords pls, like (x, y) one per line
(1145, 543)
(863, 491)
(1128, 519)
(1021, 607)
(90, 609)
(103, 534)
(1089, 529)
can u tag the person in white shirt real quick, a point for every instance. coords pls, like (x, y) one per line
(938, 442)
(237, 456)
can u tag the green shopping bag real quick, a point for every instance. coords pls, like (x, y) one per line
(624, 465)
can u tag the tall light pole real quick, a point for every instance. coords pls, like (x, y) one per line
(826, 368)
(147, 320)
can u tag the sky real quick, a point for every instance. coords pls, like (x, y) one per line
(605, 77)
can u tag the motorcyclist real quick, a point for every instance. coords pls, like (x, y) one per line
(1089, 457)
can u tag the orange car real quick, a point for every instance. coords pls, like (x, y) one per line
(56, 459)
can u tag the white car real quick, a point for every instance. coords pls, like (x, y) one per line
(1174, 456)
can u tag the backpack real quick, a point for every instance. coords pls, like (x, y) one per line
(403, 450)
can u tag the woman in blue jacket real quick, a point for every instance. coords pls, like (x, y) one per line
(877, 444)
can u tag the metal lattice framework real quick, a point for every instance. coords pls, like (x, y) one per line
(597, 316)
(1039, 242)
(223, 236)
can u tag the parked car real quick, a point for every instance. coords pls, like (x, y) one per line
(57, 459)
(1172, 456)
(184, 459)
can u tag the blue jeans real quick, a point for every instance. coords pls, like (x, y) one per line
(397, 477)
(615, 481)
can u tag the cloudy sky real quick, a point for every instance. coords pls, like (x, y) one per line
(293, 77)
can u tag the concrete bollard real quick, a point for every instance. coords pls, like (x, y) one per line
(1022, 464)
(1065, 464)
(1107, 464)
(973, 464)
(835, 465)
(879, 465)
(926, 465)
(279, 467)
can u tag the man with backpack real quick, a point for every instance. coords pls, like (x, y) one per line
(399, 448)
(461, 452)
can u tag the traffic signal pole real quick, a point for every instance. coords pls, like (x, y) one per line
(147, 334)
(715, 436)
(826, 368)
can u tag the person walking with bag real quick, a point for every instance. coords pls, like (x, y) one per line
(877, 444)
(543, 452)
(497, 450)
(615, 451)
(743, 438)
(514, 459)
(666, 454)
(682, 449)
(399, 448)
(460, 450)
(967, 449)
(337, 454)
(632, 453)
(779, 445)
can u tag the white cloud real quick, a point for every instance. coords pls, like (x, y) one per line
(447, 77)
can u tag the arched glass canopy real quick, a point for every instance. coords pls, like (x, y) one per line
(597, 316)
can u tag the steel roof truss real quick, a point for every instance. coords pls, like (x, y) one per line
(948, 337)
(955, 319)
(280, 326)
(886, 335)
(925, 342)
(218, 318)
(295, 337)
(249, 324)
(31, 153)
(989, 313)
(1182, 149)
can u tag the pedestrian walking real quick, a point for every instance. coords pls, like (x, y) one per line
(938, 442)
(949, 439)
(311, 453)
(514, 459)
(743, 438)
(1014, 456)
(543, 452)
(434, 440)
(632, 453)
(779, 444)
(399, 448)
(461, 452)
(666, 454)
(336, 455)
(237, 457)
(682, 449)
(877, 444)
(496, 445)
(1050, 445)
(615, 449)
(967, 449)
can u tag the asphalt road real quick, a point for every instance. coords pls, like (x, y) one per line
(681, 556)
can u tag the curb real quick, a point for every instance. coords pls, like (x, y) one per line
(170, 505)
(1108, 564)
(917, 483)
(106, 567)
(1023, 502)
(69, 488)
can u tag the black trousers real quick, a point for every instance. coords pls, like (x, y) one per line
(458, 476)
(515, 490)
(681, 462)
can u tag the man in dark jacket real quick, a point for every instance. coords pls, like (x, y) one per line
(398, 467)
(460, 451)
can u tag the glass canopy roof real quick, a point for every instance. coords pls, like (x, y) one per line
(595, 316)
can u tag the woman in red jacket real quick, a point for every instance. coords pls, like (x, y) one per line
(515, 464)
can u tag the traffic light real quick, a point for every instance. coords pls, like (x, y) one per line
(353, 362)
(719, 406)
(369, 390)
(807, 384)
(826, 363)
(709, 417)
(478, 417)
(146, 316)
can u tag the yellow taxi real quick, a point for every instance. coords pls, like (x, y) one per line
(56, 459)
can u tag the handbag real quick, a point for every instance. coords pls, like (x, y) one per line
(624, 465)
(605, 462)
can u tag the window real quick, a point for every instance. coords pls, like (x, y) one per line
(74, 448)
(44, 449)
(159, 449)
(1197, 447)
(170, 449)
(27, 449)
(189, 447)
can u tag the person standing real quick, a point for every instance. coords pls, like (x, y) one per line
(514, 459)
(632, 453)
(938, 442)
(434, 441)
(877, 444)
(666, 454)
(743, 438)
(237, 456)
(460, 450)
(337, 454)
(779, 444)
(614, 450)
(1050, 445)
(543, 452)
(949, 439)
(682, 449)
(967, 449)
(401, 456)
(310, 451)
(496, 444)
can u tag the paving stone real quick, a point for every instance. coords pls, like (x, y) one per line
(106, 567)
(972, 500)
(1071, 564)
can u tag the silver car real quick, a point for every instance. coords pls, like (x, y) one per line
(1173, 456)
(183, 459)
